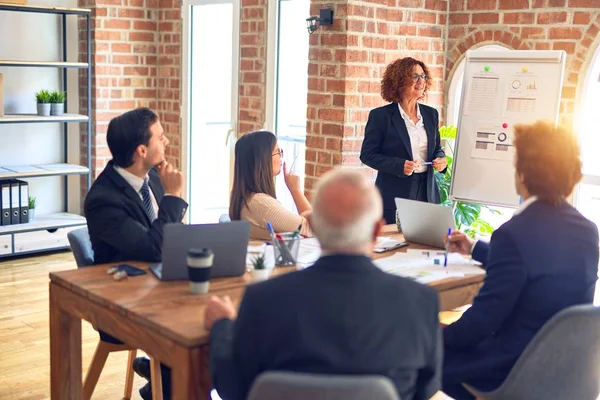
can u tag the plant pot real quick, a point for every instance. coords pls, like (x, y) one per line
(43, 109)
(259, 275)
(31, 214)
(57, 109)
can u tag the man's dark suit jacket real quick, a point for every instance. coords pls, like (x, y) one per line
(541, 261)
(387, 145)
(119, 227)
(341, 316)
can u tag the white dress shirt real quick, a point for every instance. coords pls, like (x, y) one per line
(418, 137)
(136, 183)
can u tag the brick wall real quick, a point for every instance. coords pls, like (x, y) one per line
(571, 25)
(253, 53)
(347, 61)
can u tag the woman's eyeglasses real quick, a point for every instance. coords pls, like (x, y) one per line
(416, 78)
(278, 152)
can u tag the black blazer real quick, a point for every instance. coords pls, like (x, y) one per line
(119, 227)
(387, 145)
(343, 315)
(539, 262)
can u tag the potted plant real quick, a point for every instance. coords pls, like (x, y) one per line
(31, 208)
(466, 215)
(260, 271)
(43, 103)
(57, 100)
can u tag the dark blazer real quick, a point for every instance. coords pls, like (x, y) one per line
(541, 261)
(387, 145)
(119, 227)
(341, 316)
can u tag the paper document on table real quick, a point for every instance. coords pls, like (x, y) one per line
(385, 243)
(435, 260)
(400, 264)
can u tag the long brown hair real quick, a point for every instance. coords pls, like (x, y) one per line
(253, 170)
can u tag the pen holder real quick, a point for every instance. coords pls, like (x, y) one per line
(286, 249)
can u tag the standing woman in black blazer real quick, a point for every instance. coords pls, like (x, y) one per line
(401, 137)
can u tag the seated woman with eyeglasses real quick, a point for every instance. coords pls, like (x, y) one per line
(258, 160)
(402, 140)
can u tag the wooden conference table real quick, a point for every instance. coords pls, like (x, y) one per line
(163, 319)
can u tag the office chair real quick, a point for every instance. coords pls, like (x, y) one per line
(561, 362)
(80, 243)
(301, 386)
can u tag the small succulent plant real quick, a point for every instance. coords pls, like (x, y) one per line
(259, 262)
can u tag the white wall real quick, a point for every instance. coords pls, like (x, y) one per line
(37, 37)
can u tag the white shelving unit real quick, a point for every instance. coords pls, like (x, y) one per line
(47, 232)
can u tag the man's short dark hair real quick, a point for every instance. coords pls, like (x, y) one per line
(126, 132)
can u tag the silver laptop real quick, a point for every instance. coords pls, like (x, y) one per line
(425, 223)
(228, 242)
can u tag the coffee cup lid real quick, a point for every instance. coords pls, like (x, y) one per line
(196, 252)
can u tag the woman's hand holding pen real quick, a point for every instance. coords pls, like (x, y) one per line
(409, 167)
(440, 163)
(292, 180)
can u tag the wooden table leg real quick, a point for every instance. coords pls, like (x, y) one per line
(65, 350)
(190, 379)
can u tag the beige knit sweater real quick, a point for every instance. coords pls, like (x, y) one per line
(263, 208)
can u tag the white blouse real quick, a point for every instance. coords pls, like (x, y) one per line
(418, 137)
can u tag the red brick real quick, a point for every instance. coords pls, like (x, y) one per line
(565, 33)
(569, 47)
(351, 56)
(583, 3)
(144, 25)
(485, 18)
(317, 99)
(456, 5)
(481, 4)
(331, 115)
(513, 4)
(551, 17)
(120, 47)
(533, 33)
(116, 24)
(557, 3)
(323, 157)
(141, 71)
(430, 31)
(124, 59)
(456, 19)
(355, 26)
(141, 37)
(581, 18)
(318, 54)
(130, 13)
(423, 17)
(417, 44)
(108, 35)
(334, 39)
(410, 3)
(519, 18)
(438, 5)
(328, 70)
(360, 11)
(456, 32)
(145, 93)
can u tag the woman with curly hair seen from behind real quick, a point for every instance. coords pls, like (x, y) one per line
(544, 259)
(402, 140)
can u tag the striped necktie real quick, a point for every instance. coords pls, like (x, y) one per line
(145, 191)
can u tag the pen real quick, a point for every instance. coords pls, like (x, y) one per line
(293, 163)
(297, 232)
(273, 237)
(426, 163)
(447, 246)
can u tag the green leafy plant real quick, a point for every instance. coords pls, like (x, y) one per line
(57, 97)
(43, 96)
(259, 262)
(31, 202)
(466, 215)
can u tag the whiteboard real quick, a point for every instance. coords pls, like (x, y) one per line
(500, 90)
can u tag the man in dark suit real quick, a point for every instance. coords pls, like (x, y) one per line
(541, 261)
(137, 193)
(343, 315)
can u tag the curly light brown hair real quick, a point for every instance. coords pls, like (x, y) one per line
(547, 157)
(399, 75)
